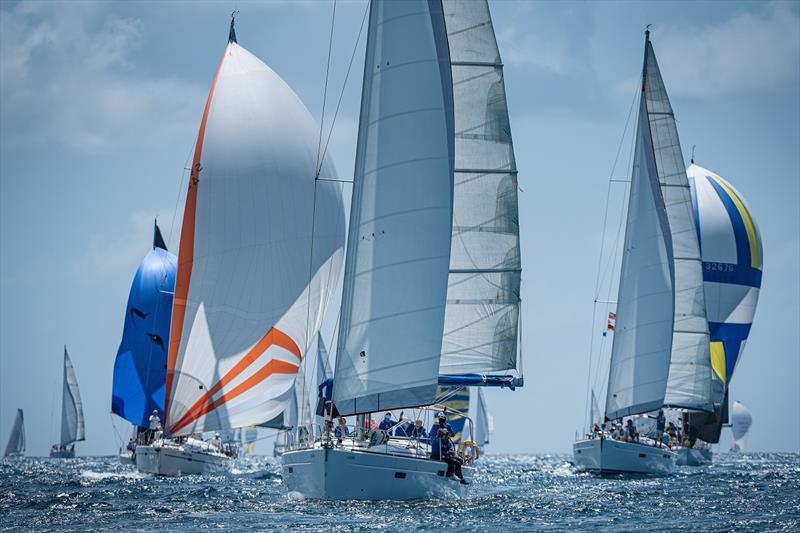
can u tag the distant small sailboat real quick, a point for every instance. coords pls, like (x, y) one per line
(660, 352)
(741, 420)
(261, 245)
(733, 258)
(140, 365)
(72, 423)
(16, 440)
(484, 424)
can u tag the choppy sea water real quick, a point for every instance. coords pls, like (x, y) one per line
(756, 492)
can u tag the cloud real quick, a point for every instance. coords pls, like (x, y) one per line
(67, 79)
(756, 50)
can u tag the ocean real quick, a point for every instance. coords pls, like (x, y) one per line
(752, 492)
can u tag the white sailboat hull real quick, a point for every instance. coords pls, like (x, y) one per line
(173, 460)
(608, 457)
(693, 456)
(361, 474)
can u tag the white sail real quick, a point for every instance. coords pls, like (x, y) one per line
(741, 420)
(323, 364)
(16, 440)
(260, 252)
(641, 350)
(481, 422)
(483, 291)
(690, 383)
(302, 422)
(396, 272)
(72, 426)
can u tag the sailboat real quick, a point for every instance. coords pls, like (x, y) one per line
(741, 420)
(660, 353)
(432, 272)
(140, 365)
(16, 440)
(733, 258)
(297, 418)
(260, 249)
(484, 425)
(72, 425)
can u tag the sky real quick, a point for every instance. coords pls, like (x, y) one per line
(100, 104)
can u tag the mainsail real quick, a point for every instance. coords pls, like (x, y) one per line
(260, 251)
(72, 427)
(16, 440)
(139, 368)
(690, 378)
(398, 253)
(483, 293)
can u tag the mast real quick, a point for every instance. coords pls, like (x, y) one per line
(483, 295)
(398, 254)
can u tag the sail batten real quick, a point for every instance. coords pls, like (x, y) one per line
(482, 313)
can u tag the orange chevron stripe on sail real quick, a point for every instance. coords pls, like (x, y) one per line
(206, 403)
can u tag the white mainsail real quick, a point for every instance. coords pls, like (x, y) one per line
(483, 293)
(690, 384)
(72, 425)
(398, 255)
(741, 420)
(16, 440)
(260, 251)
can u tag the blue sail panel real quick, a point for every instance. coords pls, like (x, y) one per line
(140, 365)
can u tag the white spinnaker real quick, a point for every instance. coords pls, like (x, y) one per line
(641, 350)
(72, 424)
(690, 383)
(251, 289)
(482, 429)
(16, 440)
(395, 281)
(741, 420)
(483, 294)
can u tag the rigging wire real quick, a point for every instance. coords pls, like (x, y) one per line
(318, 164)
(598, 278)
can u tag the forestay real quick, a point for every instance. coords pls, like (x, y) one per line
(396, 273)
(72, 426)
(690, 378)
(260, 251)
(16, 440)
(483, 293)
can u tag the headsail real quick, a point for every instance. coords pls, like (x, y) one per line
(398, 255)
(741, 420)
(260, 251)
(139, 368)
(733, 259)
(641, 350)
(456, 404)
(16, 440)
(690, 378)
(72, 426)
(483, 420)
(483, 294)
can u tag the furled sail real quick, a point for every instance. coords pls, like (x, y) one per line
(139, 368)
(690, 383)
(733, 259)
(398, 254)
(741, 420)
(16, 440)
(260, 251)
(483, 293)
(642, 346)
(72, 427)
